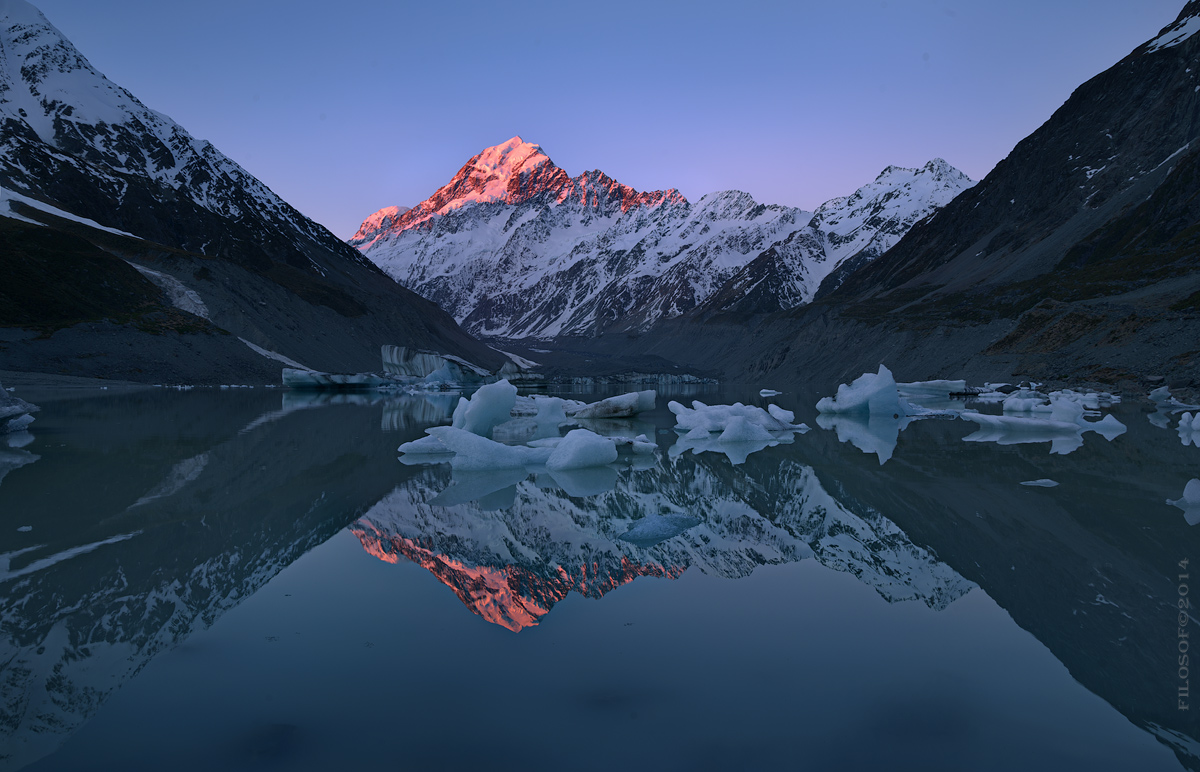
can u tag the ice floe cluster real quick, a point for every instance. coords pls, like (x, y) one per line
(15, 413)
(871, 412)
(491, 433)
(736, 430)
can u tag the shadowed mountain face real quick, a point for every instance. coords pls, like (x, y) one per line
(181, 505)
(75, 145)
(1075, 257)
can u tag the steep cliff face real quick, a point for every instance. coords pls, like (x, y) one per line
(515, 248)
(80, 154)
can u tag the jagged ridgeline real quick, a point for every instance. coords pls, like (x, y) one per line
(94, 180)
(1075, 258)
(514, 247)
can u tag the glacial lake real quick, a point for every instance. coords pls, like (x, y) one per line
(251, 579)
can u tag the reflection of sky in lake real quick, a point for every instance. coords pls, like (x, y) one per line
(252, 580)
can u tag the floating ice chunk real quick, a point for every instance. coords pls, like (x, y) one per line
(870, 433)
(582, 448)
(931, 388)
(652, 529)
(14, 412)
(874, 393)
(428, 445)
(624, 406)
(1063, 427)
(473, 453)
(1042, 483)
(18, 424)
(1190, 503)
(740, 430)
(769, 393)
(1026, 401)
(715, 418)
(550, 410)
(781, 415)
(489, 406)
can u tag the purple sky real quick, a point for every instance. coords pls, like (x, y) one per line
(344, 108)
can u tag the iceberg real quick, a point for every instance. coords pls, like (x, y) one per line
(874, 393)
(715, 418)
(426, 446)
(1041, 483)
(624, 406)
(1061, 423)
(15, 413)
(473, 453)
(652, 529)
(1190, 502)
(489, 406)
(579, 449)
(769, 393)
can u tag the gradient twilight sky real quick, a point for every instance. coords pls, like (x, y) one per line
(344, 108)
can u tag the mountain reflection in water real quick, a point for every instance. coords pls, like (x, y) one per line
(154, 513)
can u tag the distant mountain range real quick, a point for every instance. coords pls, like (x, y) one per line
(95, 180)
(513, 247)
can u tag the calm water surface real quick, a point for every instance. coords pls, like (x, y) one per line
(249, 579)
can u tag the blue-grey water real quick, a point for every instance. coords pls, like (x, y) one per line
(250, 579)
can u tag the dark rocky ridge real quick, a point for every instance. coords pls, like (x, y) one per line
(1074, 259)
(266, 272)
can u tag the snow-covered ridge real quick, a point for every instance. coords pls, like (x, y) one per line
(509, 173)
(514, 248)
(51, 94)
(1187, 25)
(511, 565)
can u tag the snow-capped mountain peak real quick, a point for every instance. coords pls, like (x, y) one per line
(513, 247)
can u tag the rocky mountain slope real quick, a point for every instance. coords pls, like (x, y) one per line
(513, 247)
(1075, 258)
(84, 157)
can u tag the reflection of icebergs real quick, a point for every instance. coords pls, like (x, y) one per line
(584, 482)
(1190, 502)
(1189, 429)
(1062, 426)
(180, 475)
(14, 459)
(308, 379)
(481, 487)
(736, 430)
(870, 433)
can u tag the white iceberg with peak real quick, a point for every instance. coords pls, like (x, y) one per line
(873, 393)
